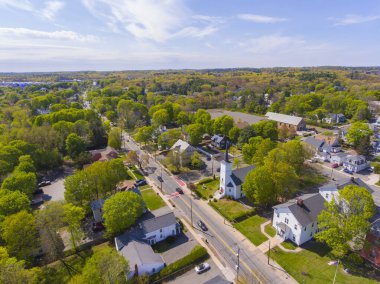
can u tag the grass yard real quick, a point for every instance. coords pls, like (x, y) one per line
(288, 245)
(270, 230)
(151, 199)
(250, 228)
(231, 209)
(207, 189)
(310, 178)
(311, 266)
(136, 173)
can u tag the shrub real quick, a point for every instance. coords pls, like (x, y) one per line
(210, 196)
(205, 180)
(355, 259)
(173, 169)
(196, 255)
(215, 200)
(376, 168)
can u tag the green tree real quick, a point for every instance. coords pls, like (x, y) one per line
(161, 117)
(121, 211)
(183, 118)
(234, 134)
(114, 138)
(73, 215)
(75, 145)
(345, 221)
(168, 138)
(358, 132)
(12, 202)
(26, 164)
(195, 132)
(105, 266)
(24, 182)
(19, 231)
(144, 134)
(223, 125)
(266, 129)
(13, 270)
(262, 150)
(196, 161)
(259, 187)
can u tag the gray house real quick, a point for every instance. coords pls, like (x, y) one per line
(219, 141)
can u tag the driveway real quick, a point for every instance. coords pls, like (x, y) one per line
(55, 191)
(192, 277)
(182, 247)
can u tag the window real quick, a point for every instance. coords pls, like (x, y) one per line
(160, 230)
(295, 226)
(311, 234)
(304, 229)
(327, 195)
(312, 224)
(294, 238)
(278, 215)
(229, 190)
(160, 236)
(286, 220)
(153, 270)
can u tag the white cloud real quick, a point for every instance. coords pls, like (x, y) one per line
(354, 19)
(261, 19)
(24, 34)
(51, 9)
(17, 4)
(157, 20)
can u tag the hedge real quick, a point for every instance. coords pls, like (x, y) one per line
(196, 255)
(205, 180)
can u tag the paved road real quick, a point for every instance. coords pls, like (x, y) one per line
(253, 265)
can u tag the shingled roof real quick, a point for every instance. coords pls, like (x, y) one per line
(305, 208)
(159, 222)
(239, 175)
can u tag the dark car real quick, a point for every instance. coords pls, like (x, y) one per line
(335, 165)
(208, 158)
(202, 225)
(38, 191)
(179, 190)
(348, 171)
(160, 179)
(44, 183)
(97, 227)
(140, 182)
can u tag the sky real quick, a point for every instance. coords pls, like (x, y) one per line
(77, 35)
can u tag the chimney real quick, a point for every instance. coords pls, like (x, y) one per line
(299, 202)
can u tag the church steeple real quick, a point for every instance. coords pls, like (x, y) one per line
(226, 156)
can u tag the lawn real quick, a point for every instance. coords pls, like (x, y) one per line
(207, 188)
(310, 178)
(289, 245)
(270, 230)
(250, 228)
(151, 199)
(231, 209)
(311, 266)
(137, 173)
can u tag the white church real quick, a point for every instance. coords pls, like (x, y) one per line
(231, 180)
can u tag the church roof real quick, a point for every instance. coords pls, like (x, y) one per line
(238, 175)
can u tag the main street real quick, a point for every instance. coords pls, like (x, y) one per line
(253, 264)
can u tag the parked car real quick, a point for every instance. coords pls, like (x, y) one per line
(38, 191)
(140, 182)
(44, 183)
(348, 171)
(97, 227)
(208, 158)
(202, 225)
(335, 165)
(160, 179)
(179, 190)
(202, 267)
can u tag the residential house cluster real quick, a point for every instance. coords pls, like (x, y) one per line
(296, 219)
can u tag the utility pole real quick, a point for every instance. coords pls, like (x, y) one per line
(161, 179)
(336, 270)
(269, 252)
(238, 265)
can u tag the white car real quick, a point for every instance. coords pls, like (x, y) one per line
(202, 267)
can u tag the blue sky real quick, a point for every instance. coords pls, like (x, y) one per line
(69, 35)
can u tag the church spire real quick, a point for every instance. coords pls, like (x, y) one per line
(226, 156)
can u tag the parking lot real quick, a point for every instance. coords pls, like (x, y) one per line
(55, 191)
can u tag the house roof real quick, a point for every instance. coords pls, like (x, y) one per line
(355, 158)
(139, 253)
(308, 211)
(330, 140)
(343, 183)
(181, 145)
(316, 143)
(238, 175)
(341, 154)
(218, 138)
(217, 280)
(279, 117)
(97, 204)
(158, 222)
